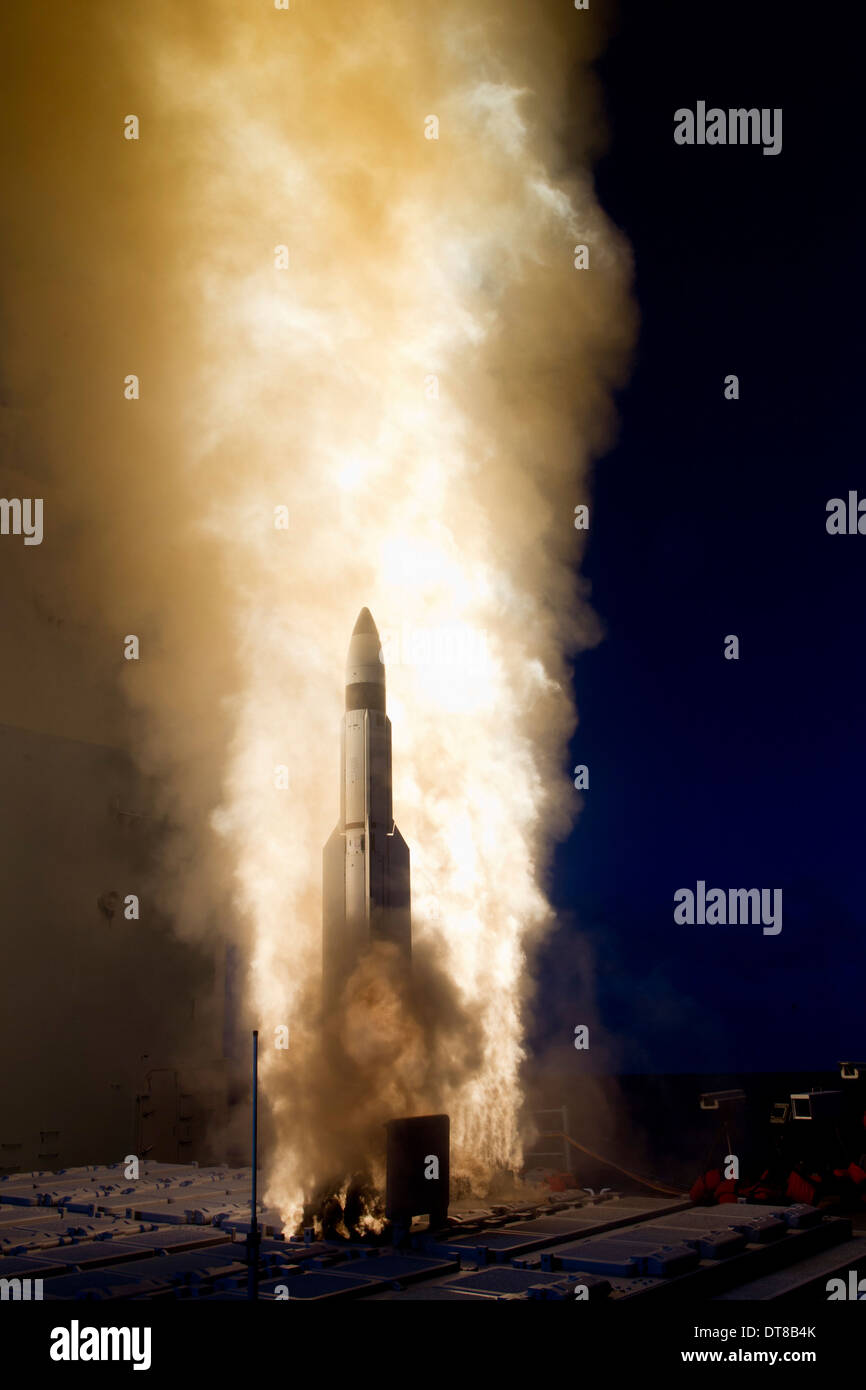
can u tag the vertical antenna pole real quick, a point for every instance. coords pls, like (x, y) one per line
(253, 1238)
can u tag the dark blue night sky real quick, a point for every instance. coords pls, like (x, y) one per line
(709, 518)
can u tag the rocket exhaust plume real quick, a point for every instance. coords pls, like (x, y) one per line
(341, 258)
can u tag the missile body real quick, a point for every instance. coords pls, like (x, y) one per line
(365, 863)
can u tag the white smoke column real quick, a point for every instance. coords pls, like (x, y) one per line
(408, 258)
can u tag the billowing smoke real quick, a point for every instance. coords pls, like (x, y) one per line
(341, 259)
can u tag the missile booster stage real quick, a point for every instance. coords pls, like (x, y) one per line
(365, 879)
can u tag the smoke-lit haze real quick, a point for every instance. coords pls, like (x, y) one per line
(310, 388)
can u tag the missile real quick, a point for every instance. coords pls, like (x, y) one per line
(365, 863)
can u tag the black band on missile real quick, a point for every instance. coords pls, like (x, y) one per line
(366, 695)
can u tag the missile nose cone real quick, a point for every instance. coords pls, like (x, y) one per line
(365, 670)
(365, 624)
